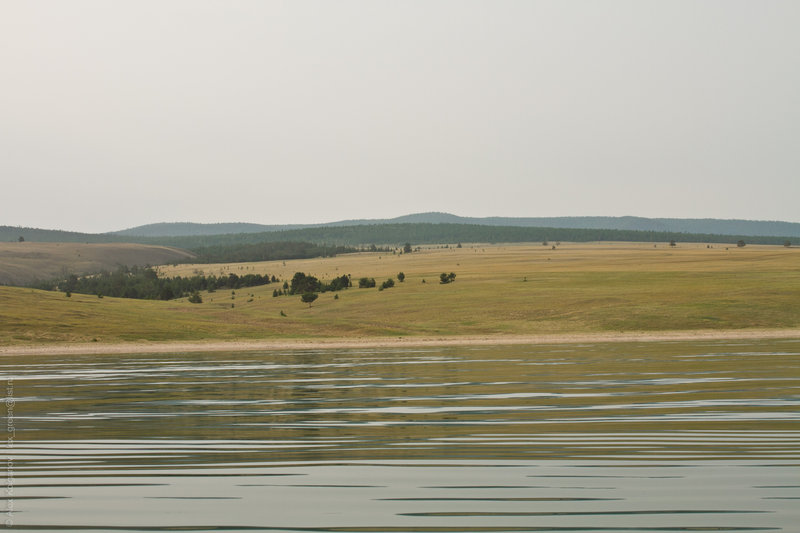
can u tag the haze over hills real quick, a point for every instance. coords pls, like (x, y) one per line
(628, 223)
(253, 242)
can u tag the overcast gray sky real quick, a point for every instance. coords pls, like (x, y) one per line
(120, 113)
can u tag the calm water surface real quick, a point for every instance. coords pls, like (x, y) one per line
(625, 437)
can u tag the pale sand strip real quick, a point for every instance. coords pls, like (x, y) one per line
(391, 342)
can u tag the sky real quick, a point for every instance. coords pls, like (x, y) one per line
(116, 114)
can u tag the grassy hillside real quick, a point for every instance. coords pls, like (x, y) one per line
(525, 289)
(174, 229)
(25, 262)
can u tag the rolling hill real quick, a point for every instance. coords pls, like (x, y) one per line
(675, 225)
(23, 263)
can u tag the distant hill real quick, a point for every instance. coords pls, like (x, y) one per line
(440, 233)
(176, 229)
(14, 233)
(431, 228)
(679, 225)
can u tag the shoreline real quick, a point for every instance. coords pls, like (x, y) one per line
(145, 347)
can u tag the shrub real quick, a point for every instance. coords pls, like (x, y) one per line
(447, 278)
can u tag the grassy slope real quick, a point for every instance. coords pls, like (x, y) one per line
(26, 262)
(499, 289)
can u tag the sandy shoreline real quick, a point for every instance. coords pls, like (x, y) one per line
(388, 342)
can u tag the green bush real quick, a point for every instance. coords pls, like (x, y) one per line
(366, 283)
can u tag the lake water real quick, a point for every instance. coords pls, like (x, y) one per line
(607, 437)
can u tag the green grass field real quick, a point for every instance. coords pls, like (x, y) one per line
(514, 289)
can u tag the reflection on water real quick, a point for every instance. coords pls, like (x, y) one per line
(628, 437)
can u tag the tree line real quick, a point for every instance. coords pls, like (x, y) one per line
(266, 251)
(315, 242)
(389, 236)
(143, 283)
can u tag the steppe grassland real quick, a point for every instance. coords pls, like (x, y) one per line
(510, 289)
(22, 263)
(535, 289)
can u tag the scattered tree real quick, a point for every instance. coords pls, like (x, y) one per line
(401, 277)
(787, 244)
(447, 278)
(302, 284)
(309, 298)
(21, 238)
(195, 298)
(407, 248)
(366, 283)
(740, 244)
(672, 243)
(342, 282)
(388, 284)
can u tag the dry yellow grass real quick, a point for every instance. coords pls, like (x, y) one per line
(499, 290)
(484, 259)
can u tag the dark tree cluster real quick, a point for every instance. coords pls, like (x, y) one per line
(366, 283)
(143, 283)
(447, 278)
(266, 251)
(303, 284)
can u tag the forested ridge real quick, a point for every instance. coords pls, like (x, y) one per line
(144, 283)
(681, 225)
(329, 237)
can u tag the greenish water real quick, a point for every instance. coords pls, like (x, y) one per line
(606, 437)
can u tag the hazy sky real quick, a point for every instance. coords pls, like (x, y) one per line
(120, 113)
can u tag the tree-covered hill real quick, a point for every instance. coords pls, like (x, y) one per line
(397, 234)
(699, 226)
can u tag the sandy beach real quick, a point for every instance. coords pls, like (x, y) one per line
(389, 342)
